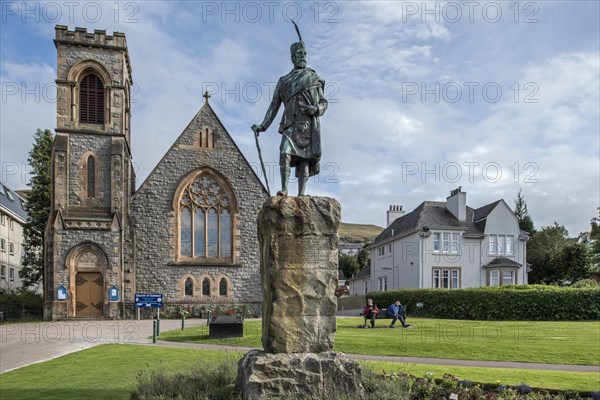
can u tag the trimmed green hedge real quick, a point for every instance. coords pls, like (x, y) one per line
(513, 303)
(21, 305)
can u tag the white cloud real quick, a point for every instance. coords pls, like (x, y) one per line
(371, 135)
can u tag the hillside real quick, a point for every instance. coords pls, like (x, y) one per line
(358, 233)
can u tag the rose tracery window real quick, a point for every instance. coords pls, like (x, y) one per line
(205, 220)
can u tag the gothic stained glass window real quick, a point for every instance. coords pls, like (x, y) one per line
(186, 233)
(205, 220)
(223, 287)
(91, 177)
(206, 287)
(189, 287)
(91, 100)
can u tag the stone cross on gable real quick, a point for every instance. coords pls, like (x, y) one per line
(206, 96)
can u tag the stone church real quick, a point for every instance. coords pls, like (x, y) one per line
(188, 232)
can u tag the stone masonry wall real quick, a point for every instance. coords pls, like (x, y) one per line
(154, 218)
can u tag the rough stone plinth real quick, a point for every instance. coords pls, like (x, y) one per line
(325, 375)
(299, 268)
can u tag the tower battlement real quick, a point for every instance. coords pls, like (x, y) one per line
(81, 37)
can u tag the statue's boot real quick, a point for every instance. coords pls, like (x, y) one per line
(285, 178)
(302, 185)
(302, 178)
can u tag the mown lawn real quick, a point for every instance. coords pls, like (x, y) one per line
(100, 373)
(109, 372)
(539, 342)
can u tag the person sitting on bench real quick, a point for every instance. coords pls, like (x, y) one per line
(370, 312)
(397, 312)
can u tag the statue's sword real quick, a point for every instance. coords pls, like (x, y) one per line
(262, 164)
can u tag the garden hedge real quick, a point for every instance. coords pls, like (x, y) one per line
(513, 303)
(21, 305)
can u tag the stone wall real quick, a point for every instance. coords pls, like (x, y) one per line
(154, 218)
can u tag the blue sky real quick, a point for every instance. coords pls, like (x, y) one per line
(493, 96)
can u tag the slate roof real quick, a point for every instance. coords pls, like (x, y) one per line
(502, 262)
(434, 214)
(12, 202)
(363, 273)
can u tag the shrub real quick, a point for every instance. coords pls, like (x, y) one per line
(514, 302)
(586, 283)
(21, 305)
(206, 380)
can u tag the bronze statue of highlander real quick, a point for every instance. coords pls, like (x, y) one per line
(301, 92)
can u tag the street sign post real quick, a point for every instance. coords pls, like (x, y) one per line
(148, 300)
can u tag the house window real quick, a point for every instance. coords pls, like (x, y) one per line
(3, 271)
(380, 284)
(446, 278)
(501, 245)
(389, 249)
(508, 277)
(189, 287)
(3, 245)
(2, 219)
(454, 245)
(11, 248)
(205, 222)
(495, 278)
(91, 100)
(11, 224)
(365, 287)
(91, 177)
(501, 242)
(510, 245)
(223, 287)
(455, 280)
(206, 287)
(493, 244)
(11, 274)
(448, 241)
(381, 251)
(436, 242)
(385, 287)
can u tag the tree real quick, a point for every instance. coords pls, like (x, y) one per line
(37, 208)
(348, 265)
(543, 253)
(363, 258)
(595, 238)
(575, 263)
(525, 221)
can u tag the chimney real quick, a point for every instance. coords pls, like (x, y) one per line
(394, 213)
(457, 204)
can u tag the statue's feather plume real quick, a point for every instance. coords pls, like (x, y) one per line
(297, 31)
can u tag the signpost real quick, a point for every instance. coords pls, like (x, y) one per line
(143, 300)
(148, 300)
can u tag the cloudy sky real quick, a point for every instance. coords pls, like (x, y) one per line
(493, 96)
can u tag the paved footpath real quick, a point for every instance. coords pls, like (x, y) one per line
(25, 344)
(30, 343)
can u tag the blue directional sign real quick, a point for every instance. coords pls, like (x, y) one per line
(148, 300)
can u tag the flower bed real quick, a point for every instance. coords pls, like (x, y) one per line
(451, 387)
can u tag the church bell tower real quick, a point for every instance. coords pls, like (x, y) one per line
(88, 261)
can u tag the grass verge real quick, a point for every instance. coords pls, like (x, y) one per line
(110, 372)
(538, 342)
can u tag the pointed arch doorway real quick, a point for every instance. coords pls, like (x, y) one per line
(87, 266)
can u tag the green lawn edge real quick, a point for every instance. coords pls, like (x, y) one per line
(109, 371)
(568, 342)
